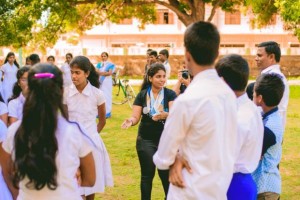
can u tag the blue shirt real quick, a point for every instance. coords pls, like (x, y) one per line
(267, 176)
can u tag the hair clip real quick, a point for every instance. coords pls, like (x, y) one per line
(44, 75)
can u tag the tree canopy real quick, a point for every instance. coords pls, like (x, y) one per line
(31, 22)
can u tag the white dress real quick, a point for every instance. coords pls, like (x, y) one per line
(72, 145)
(10, 78)
(106, 85)
(66, 74)
(83, 109)
(4, 192)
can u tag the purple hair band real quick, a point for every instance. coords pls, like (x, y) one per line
(44, 75)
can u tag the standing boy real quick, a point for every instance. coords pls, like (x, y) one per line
(268, 91)
(235, 71)
(202, 124)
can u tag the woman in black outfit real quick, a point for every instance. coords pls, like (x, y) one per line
(152, 103)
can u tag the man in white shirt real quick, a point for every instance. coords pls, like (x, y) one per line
(202, 123)
(235, 72)
(267, 60)
(164, 58)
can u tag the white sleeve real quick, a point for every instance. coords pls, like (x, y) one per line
(175, 130)
(3, 108)
(3, 131)
(8, 143)
(65, 95)
(12, 108)
(100, 97)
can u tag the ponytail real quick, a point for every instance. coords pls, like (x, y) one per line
(35, 143)
(94, 77)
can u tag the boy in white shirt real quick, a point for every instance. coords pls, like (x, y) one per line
(235, 72)
(202, 124)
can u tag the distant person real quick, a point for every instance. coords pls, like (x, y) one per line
(40, 160)
(34, 59)
(148, 62)
(65, 68)
(202, 124)
(267, 60)
(234, 70)
(153, 104)
(3, 111)
(164, 58)
(9, 72)
(184, 79)
(152, 57)
(51, 60)
(268, 91)
(105, 70)
(27, 61)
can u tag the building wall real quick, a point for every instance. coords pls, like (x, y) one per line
(133, 66)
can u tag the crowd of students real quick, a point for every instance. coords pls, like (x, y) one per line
(209, 140)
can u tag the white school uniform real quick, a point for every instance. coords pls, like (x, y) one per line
(72, 145)
(83, 108)
(4, 192)
(67, 78)
(283, 105)
(15, 107)
(250, 136)
(10, 78)
(3, 108)
(202, 125)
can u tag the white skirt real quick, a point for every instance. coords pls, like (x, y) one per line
(4, 192)
(103, 169)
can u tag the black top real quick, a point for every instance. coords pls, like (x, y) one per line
(149, 129)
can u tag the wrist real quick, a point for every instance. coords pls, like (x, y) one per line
(131, 122)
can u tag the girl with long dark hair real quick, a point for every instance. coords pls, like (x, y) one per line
(153, 104)
(9, 70)
(43, 151)
(84, 101)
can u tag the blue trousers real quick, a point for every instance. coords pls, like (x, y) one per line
(242, 187)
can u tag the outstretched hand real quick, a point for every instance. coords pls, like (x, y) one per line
(126, 124)
(175, 174)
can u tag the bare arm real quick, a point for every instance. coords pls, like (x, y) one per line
(102, 117)
(65, 108)
(87, 170)
(7, 171)
(109, 73)
(134, 119)
(11, 120)
(4, 118)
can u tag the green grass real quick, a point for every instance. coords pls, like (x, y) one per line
(121, 147)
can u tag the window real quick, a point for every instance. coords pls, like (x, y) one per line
(122, 45)
(294, 45)
(232, 45)
(233, 18)
(158, 45)
(164, 17)
(126, 21)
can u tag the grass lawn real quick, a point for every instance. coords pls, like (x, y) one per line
(121, 147)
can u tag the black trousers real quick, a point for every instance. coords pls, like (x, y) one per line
(145, 150)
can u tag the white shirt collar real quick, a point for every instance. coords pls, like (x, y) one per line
(272, 67)
(208, 73)
(86, 91)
